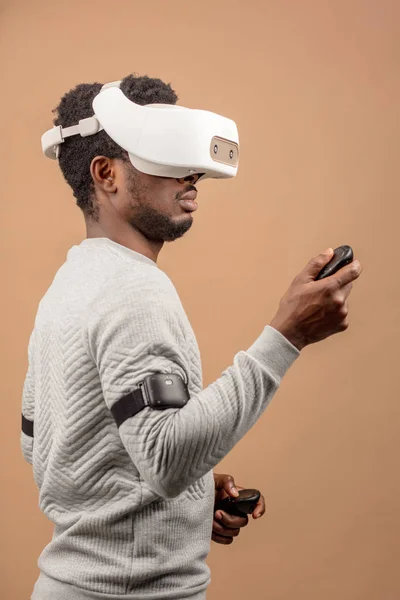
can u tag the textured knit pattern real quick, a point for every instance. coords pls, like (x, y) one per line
(132, 507)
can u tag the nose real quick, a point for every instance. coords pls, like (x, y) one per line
(190, 178)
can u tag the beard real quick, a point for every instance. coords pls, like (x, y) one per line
(158, 227)
(154, 225)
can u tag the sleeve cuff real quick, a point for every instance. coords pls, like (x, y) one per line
(274, 351)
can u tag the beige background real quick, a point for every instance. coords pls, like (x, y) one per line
(314, 89)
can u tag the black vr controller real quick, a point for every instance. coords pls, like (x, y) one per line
(342, 257)
(242, 505)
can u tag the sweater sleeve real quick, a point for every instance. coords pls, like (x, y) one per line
(28, 403)
(138, 336)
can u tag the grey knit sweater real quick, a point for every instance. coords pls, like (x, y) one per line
(132, 506)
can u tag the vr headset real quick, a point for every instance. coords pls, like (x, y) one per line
(161, 139)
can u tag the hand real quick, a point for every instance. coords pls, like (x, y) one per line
(226, 526)
(311, 311)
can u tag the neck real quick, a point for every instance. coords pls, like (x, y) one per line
(126, 236)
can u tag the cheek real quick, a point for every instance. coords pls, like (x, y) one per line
(136, 188)
(162, 195)
(157, 192)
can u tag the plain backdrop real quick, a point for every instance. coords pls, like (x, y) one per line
(314, 88)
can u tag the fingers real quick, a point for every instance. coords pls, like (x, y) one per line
(348, 274)
(346, 289)
(343, 325)
(315, 265)
(226, 483)
(339, 287)
(260, 508)
(220, 530)
(221, 540)
(227, 527)
(231, 521)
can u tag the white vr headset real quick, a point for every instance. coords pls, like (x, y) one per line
(161, 139)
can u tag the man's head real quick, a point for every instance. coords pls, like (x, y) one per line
(112, 194)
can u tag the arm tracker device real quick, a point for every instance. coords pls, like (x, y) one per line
(158, 391)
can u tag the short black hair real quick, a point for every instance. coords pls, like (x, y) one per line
(77, 152)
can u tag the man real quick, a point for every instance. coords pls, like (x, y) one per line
(132, 499)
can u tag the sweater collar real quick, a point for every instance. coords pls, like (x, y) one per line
(104, 242)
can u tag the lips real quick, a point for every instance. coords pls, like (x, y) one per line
(190, 205)
(192, 195)
(188, 201)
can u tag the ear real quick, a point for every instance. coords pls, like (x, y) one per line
(103, 174)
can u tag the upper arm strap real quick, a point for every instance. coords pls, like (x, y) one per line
(128, 406)
(123, 409)
(27, 426)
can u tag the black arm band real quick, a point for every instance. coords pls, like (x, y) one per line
(27, 426)
(128, 406)
(158, 391)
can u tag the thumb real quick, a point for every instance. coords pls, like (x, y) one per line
(315, 265)
(226, 483)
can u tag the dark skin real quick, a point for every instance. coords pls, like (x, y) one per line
(225, 526)
(142, 212)
(137, 210)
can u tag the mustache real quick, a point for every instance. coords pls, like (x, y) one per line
(189, 188)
